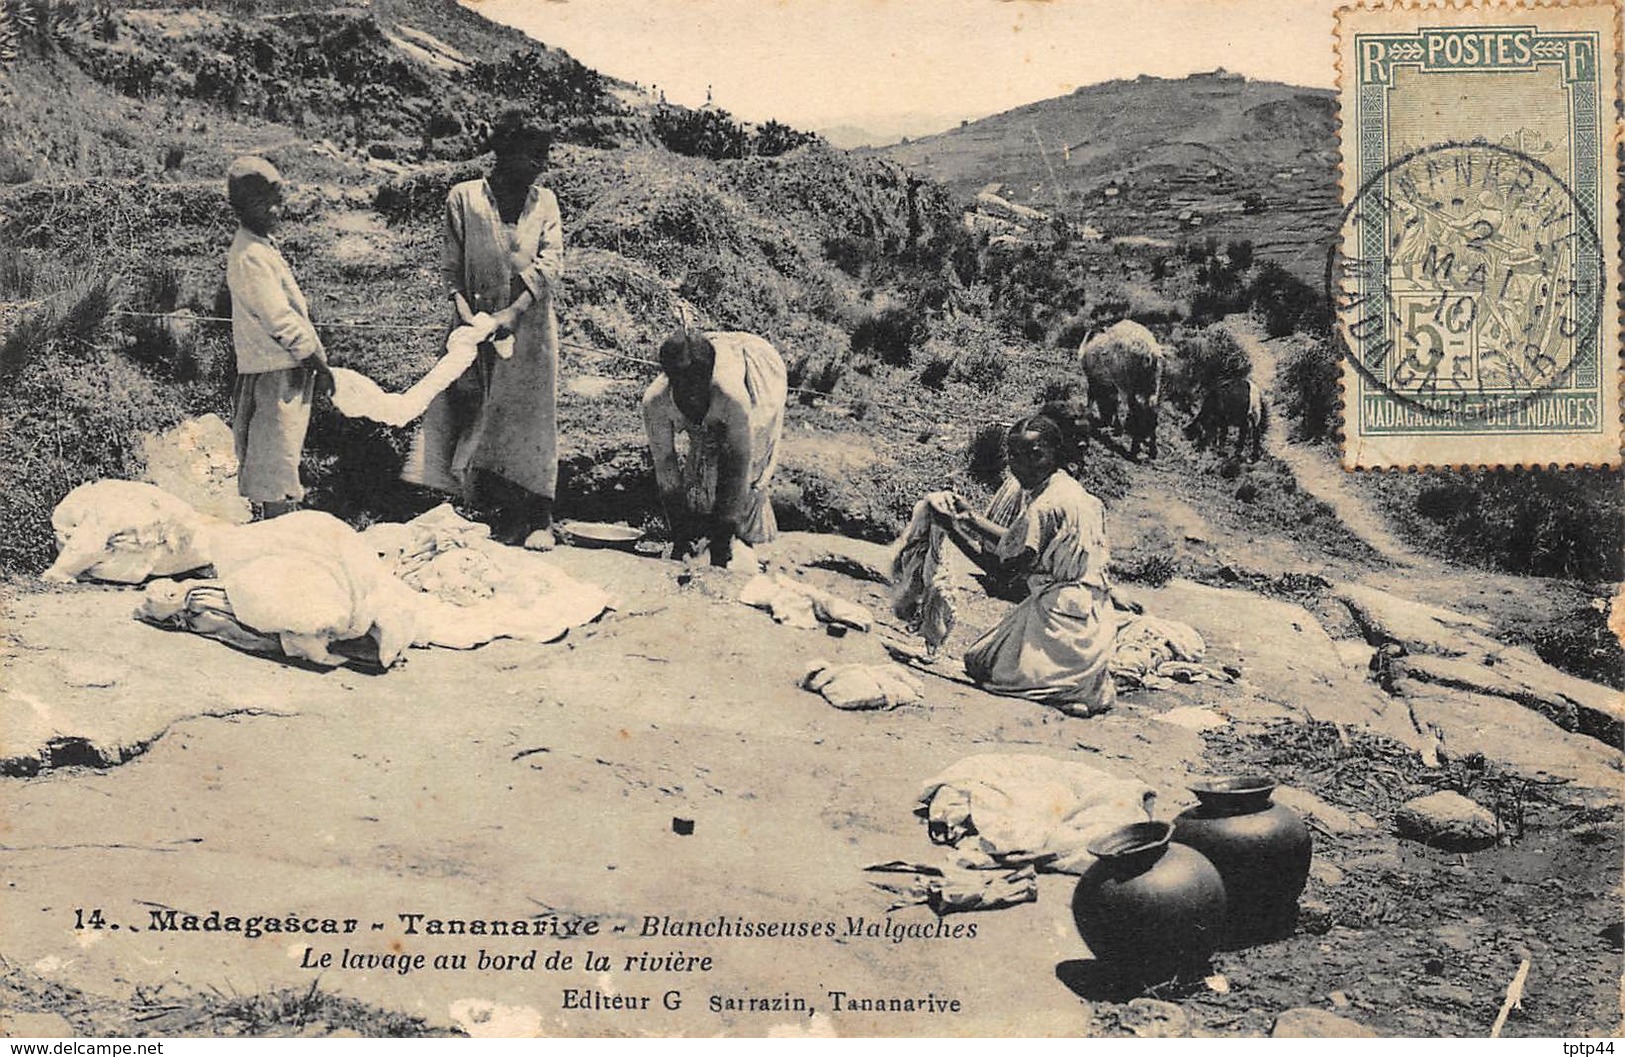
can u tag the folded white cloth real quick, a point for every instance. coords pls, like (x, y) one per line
(863, 686)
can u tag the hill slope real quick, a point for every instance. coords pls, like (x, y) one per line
(1233, 157)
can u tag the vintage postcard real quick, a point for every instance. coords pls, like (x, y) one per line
(656, 518)
(1478, 282)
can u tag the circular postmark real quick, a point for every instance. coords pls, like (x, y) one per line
(1466, 279)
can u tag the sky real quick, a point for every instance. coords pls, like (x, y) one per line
(821, 63)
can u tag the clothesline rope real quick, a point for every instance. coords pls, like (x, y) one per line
(432, 327)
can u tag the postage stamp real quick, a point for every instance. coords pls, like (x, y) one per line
(1475, 278)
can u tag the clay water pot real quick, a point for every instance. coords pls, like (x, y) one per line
(1261, 849)
(1149, 908)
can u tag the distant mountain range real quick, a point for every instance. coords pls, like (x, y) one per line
(1209, 154)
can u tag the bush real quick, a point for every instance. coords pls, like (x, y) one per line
(1308, 385)
(984, 458)
(1581, 643)
(708, 133)
(1287, 303)
(1208, 357)
(1531, 523)
(891, 334)
(935, 374)
(1154, 570)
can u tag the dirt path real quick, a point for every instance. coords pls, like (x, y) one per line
(1321, 478)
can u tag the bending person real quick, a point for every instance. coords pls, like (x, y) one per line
(727, 392)
(1047, 536)
(493, 436)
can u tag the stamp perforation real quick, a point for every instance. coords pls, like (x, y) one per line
(1586, 364)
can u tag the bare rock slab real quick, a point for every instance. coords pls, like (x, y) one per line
(1283, 652)
(1456, 651)
(1308, 1023)
(859, 559)
(1514, 736)
(1447, 820)
(1333, 819)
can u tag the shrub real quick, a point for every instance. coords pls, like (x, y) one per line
(709, 133)
(935, 374)
(1287, 303)
(984, 458)
(1308, 384)
(1057, 391)
(1154, 570)
(852, 254)
(1535, 524)
(775, 138)
(1580, 642)
(891, 334)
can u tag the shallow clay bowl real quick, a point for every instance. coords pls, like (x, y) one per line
(598, 534)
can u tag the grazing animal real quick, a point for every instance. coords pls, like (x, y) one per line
(1124, 365)
(1235, 402)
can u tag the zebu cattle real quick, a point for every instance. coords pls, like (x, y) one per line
(1124, 365)
(1235, 402)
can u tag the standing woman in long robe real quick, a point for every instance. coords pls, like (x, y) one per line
(492, 437)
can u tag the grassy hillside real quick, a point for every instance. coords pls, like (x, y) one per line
(1237, 159)
(910, 339)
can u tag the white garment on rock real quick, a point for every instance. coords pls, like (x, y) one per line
(998, 809)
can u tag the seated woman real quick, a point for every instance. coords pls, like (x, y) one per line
(1046, 531)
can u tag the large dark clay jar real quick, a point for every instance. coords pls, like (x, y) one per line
(1261, 850)
(1148, 907)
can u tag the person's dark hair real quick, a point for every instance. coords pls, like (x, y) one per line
(1069, 425)
(515, 129)
(1045, 428)
(687, 350)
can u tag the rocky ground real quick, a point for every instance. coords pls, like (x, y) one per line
(164, 771)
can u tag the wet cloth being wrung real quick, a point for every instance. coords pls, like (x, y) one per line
(357, 396)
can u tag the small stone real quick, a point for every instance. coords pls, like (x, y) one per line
(1433, 966)
(1308, 1023)
(1339, 1000)
(1217, 984)
(1446, 994)
(1314, 917)
(1150, 1018)
(1447, 820)
(1326, 873)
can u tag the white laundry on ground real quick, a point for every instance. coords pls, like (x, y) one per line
(357, 396)
(124, 532)
(304, 579)
(470, 590)
(802, 605)
(304, 582)
(863, 686)
(997, 810)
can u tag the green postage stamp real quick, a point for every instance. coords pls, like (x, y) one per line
(1476, 276)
